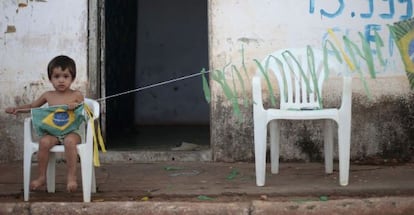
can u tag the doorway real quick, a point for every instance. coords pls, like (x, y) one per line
(148, 42)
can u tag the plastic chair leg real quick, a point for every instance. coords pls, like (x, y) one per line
(274, 131)
(86, 165)
(93, 180)
(51, 173)
(344, 134)
(260, 131)
(328, 145)
(27, 164)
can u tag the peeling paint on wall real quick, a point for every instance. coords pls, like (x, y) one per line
(10, 29)
(22, 3)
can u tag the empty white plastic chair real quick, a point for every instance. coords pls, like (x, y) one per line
(300, 99)
(84, 149)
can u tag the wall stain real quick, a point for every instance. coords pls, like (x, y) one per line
(248, 40)
(10, 29)
(22, 4)
(312, 148)
(232, 140)
(382, 133)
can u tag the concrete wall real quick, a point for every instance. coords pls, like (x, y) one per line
(31, 35)
(381, 126)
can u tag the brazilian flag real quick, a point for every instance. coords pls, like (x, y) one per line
(57, 120)
(403, 33)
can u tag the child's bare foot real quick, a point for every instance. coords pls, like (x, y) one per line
(36, 184)
(72, 185)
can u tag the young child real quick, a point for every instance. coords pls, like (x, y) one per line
(61, 71)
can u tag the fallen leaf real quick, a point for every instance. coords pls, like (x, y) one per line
(172, 168)
(201, 197)
(145, 198)
(323, 198)
(233, 174)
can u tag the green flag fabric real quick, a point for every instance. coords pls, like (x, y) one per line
(403, 33)
(57, 120)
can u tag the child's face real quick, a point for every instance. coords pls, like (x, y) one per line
(61, 79)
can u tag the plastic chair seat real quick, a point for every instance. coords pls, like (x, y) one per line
(303, 114)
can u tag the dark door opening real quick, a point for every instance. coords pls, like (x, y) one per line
(148, 42)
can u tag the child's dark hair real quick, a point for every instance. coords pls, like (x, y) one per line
(64, 62)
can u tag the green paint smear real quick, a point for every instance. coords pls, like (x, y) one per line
(359, 55)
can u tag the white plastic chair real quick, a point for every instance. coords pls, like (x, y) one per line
(299, 102)
(84, 149)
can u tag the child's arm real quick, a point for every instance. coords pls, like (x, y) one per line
(26, 108)
(79, 100)
(15, 110)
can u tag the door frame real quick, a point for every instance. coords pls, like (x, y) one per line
(96, 56)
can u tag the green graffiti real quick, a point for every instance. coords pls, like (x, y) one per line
(206, 87)
(265, 74)
(343, 50)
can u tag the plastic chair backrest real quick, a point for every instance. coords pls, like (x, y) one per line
(300, 74)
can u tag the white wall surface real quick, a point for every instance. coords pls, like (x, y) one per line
(266, 25)
(42, 31)
(30, 37)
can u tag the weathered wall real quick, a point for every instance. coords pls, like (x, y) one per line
(31, 35)
(381, 126)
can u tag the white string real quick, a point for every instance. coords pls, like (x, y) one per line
(141, 88)
(153, 85)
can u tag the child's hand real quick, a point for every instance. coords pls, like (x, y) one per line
(72, 106)
(11, 110)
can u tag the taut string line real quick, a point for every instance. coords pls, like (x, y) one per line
(142, 88)
(153, 85)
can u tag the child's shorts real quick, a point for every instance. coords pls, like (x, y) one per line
(61, 138)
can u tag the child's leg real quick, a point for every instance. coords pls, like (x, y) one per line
(71, 155)
(45, 143)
